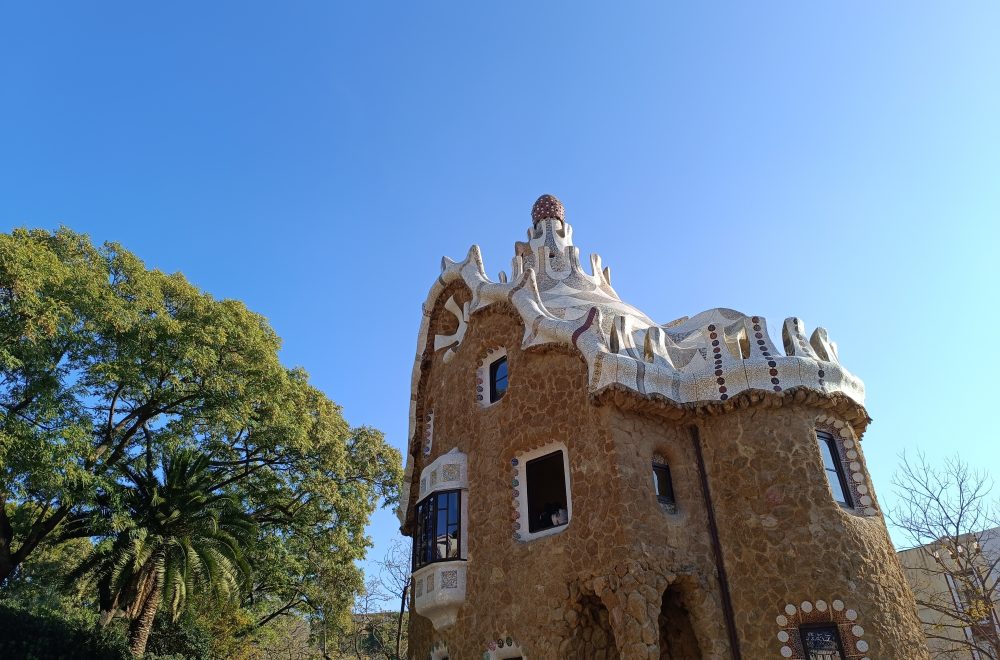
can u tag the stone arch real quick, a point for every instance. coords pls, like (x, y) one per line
(677, 637)
(591, 633)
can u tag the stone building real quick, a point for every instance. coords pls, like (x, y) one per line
(583, 482)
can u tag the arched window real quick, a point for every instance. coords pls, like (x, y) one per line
(834, 467)
(663, 485)
(492, 376)
(498, 379)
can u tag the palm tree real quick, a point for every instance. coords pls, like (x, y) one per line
(178, 535)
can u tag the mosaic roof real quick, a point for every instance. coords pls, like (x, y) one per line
(709, 357)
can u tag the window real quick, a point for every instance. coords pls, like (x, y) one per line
(821, 642)
(547, 496)
(663, 486)
(498, 379)
(438, 533)
(834, 468)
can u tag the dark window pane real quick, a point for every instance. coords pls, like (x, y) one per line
(834, 468)
(547, 497)
(662, 484)
(821, 643)
(438, 527)
(498, 379)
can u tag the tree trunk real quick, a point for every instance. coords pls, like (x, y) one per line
(7, 566)
(142, 625)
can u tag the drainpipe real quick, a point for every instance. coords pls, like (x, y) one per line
(713, 529)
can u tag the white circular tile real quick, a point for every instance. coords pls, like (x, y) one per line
(865, 500)
(858, 477)
(838, 605)
(851, 454)
(858, 631)
(851, 614)
(782, 621)
(782, 636)
(790, 609)
(848, 444)
(855, 466)
(807, 607)
(862, 488)
(862, 645)
(786, 652)
(821, 605)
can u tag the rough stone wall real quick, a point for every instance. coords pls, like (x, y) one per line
(597, 589)
(787, 545)
(620, 550)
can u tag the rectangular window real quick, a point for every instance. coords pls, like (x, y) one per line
(438, 528)
(834, 468)
(547, 496)
(822, 642)
(498, 379)
(663, 486)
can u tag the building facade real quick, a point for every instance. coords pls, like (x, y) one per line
(583, 482)
(956, 581)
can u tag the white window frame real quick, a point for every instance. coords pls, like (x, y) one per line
(523, 533)
(483, 372)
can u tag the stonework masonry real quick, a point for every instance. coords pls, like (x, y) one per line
(628, 576)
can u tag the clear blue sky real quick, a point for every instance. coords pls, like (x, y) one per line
(839, 162)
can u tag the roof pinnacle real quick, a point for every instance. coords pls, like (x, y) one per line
(547, 207)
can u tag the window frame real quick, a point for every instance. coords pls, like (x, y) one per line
(667, 501)
(828, 443)
(425, 538)
(803, 628)
(527, 487)
(522, 533)
(495, 393)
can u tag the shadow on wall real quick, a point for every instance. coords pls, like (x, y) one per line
(677, 638)
(592, 635)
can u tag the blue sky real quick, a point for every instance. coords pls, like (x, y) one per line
(839, 162)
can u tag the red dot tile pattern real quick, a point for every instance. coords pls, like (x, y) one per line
(547, 206)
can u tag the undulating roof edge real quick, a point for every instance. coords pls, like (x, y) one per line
(706, 359)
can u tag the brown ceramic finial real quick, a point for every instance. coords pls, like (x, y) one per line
(547, 206)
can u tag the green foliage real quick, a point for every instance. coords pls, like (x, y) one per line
(189, 637)
(48, 636)
(106, 365)
(176, 535)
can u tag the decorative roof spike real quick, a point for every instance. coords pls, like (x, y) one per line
(826, 349)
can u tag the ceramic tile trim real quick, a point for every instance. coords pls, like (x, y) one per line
(709, 357)
(504, 646)
(808, 612)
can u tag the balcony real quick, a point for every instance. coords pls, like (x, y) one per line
(439, 591)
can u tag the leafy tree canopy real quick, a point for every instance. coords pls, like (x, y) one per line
(105, 364)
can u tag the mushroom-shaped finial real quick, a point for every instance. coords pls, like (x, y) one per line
(546, 207)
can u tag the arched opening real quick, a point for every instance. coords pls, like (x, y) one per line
(677, 638)
(592, 636)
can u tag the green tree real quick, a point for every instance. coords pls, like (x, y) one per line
(105, 364)
(98, 356)
(171, 537)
